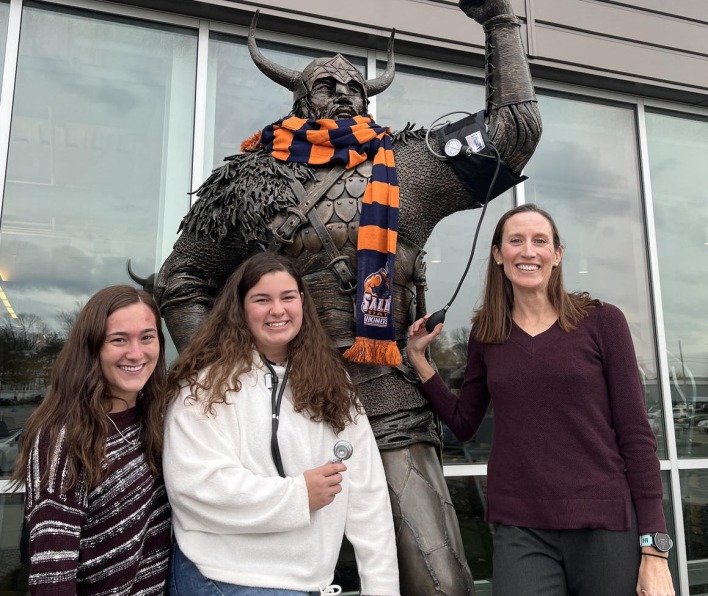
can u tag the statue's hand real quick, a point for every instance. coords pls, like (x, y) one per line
(483, 10)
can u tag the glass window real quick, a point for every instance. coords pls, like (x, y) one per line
(585, 173)
(422, 96)
(469, 496)
(241, 99)
(13, 546)
(98, 173)
(4, 19)
(677, 147)
(670, 527)
(694, 492)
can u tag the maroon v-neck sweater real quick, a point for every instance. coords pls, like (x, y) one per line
(572, 446)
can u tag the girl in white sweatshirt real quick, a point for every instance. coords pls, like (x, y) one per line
(262, 398)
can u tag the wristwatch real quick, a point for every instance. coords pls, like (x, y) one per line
(660, 541)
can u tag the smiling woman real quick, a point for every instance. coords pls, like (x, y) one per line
(574, 488)
(96, 438)
(262, 398)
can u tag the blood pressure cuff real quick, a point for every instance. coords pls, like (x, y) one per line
(469, 151)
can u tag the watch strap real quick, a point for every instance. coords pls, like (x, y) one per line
(646, 540)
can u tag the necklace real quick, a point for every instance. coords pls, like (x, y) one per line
(131, 443)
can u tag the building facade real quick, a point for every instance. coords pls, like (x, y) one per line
(112, 113)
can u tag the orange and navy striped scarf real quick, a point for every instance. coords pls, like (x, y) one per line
(352, 141)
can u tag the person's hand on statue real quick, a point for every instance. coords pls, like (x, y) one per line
(418, 341)
(483, 10)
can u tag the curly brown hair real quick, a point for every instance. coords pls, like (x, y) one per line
(77, 398)
(222, 350)
(491, 322)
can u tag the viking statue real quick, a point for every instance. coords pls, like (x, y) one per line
(344, 198)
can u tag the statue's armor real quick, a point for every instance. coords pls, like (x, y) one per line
(339, 210)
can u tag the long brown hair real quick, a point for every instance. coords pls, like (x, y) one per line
(224, 345)
(491, 322)
(77, 399)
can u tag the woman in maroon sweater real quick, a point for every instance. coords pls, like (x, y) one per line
(573, 477)
(95, 502)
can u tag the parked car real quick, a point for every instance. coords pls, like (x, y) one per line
(702, 426)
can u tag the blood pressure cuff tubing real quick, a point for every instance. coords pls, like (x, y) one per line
(469, 151)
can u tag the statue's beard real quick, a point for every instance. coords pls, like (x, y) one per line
(338, 110)
(334, 111)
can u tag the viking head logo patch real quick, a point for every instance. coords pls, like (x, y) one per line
(376, 304)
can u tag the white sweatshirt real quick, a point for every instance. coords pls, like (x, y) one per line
(239, 522)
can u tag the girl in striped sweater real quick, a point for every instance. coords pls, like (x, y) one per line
(95, 502)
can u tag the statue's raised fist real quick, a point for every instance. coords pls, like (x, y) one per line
(483, 10)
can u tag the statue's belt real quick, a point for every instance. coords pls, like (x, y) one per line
(304, 212)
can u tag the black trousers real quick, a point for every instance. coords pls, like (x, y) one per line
(586, 562)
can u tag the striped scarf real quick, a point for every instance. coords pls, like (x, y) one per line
(352, 141)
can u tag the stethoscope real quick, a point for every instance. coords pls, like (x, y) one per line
(276, 398)
(342, 449)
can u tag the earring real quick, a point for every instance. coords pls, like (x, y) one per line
(499, 263)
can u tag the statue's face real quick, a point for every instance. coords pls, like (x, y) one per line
(330, 98)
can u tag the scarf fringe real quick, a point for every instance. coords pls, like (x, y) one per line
(374, 351)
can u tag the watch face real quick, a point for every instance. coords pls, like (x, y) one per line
(662, 542)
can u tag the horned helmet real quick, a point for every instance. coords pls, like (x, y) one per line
(337, 67)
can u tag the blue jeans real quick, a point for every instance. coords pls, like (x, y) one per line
(184, 579)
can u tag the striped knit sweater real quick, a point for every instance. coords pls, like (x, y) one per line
(113, 539)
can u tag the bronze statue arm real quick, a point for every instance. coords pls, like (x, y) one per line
(189, 281)
(513, 119)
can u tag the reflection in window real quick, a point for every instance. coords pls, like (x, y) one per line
(422, 96)
(671, 528)
(469, 496)
(695, 519)
(13, 552)
(585, 173)
(4, 19)
(240, 99)
(98, 172)
(677, 148)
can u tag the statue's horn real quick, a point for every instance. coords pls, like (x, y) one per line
(380, 84)
(279, 74)
(147, 283)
